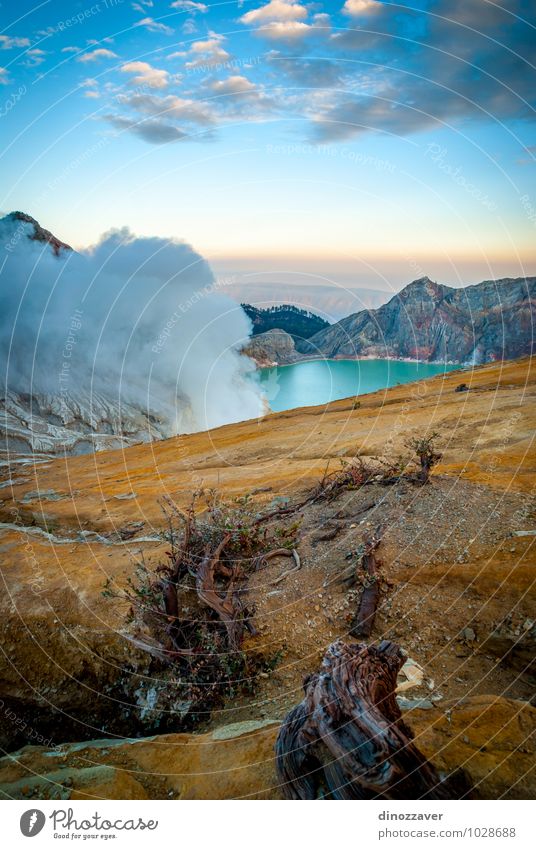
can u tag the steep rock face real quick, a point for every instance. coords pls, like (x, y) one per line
(427, 321)
(75, 424)
(273, 347)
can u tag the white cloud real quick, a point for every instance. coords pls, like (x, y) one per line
(146, 75)
(232, 85)
(189, 6)
(153, 26)
(34, 57)
(359, 7)
(142, 5)
(285, 30)
(275, 11)
(152, 131)
(92, 94)
(241, 98)
(208, 46)
(170, 106)
(7, 42)
(94, 55)
(207, 51)
(284, 20)
(70, 49)
(4, 79)
(89, 83)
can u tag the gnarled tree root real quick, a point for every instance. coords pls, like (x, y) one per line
(347, 739)
(226, 607)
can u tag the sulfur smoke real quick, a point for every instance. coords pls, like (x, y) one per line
(137, 320)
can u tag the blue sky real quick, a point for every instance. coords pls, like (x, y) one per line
(364, 142)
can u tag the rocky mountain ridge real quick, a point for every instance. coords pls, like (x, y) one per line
(492, 320)
(39, 233)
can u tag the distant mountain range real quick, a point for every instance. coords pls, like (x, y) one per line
(332, 301)
(429, 322)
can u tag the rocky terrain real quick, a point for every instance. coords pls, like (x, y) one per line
(273, 347)
(427, 321)
(457, 593)
(73, 424)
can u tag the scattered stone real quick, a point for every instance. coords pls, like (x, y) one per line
(412, 676)
(411, 704)
(42, 495)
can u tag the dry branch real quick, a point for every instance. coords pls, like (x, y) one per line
(227, 608)
(288, 572)
(363, 622)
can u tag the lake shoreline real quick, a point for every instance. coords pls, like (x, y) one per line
(314, 381)
(305, 359)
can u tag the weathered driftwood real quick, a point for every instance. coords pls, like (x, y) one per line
(347, 739)
(227, 607)
(363, 621)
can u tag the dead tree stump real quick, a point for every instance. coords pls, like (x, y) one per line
(363, 621)
(347, 739)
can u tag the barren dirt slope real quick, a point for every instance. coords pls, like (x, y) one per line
(458, 555)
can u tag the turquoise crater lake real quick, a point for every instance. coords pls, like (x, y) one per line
(319, 381)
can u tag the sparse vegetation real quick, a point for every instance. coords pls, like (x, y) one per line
(424, 448)
(190, 613)
(299, 323)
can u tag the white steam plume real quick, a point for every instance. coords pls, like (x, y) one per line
(139, 320)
